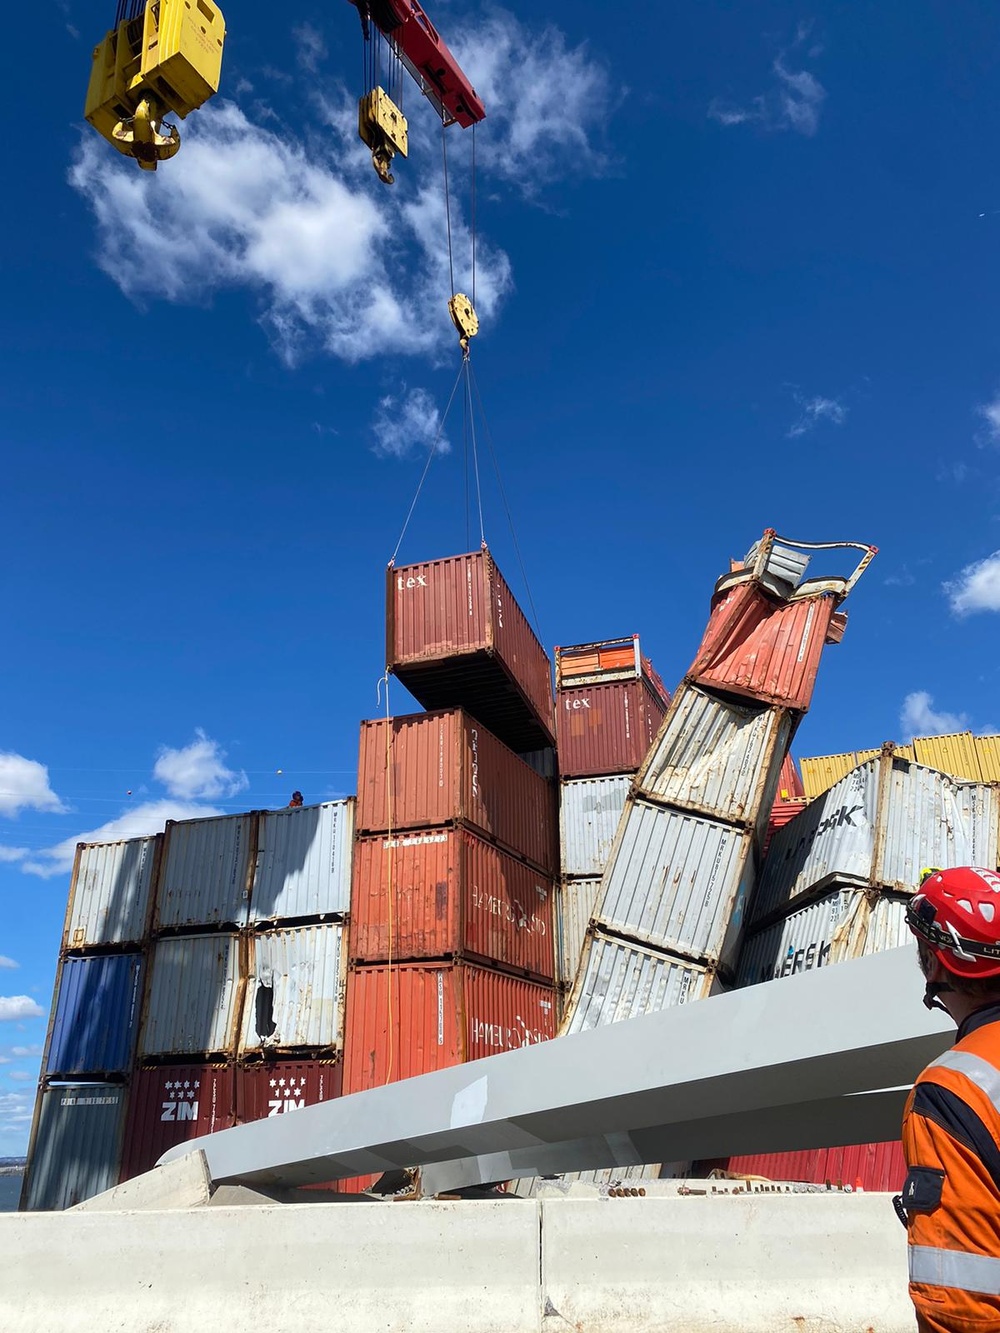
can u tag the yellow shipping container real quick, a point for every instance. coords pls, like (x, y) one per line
(988, 752)
(819, 775)
(955, 754)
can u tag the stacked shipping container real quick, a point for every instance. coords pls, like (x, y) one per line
(960, 754)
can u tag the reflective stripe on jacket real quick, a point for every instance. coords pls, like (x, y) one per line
(951, 1139)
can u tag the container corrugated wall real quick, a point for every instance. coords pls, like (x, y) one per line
(575, 906)
(204, 876)
(193, 996)
(718, 758)
(820, 774)
(295, 994)
(876, 1167)
(76, 1146)
(676, 880)
(606, 728)
(279, 1086)
(303, 862)
(169, 1104)
(589, 812)
(623, 981)
(988, 753)
(96, 1015)
(932, 819)
(109, 899)
(956, 754)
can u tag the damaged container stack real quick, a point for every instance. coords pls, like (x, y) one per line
(455, 859)
(673, 897)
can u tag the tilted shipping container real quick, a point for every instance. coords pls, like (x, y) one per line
(295, 991)
(440, 768)
(205, 872)
(303, 862)
(194, 996)
(96, 1015)
(606, 728)
(589, 813)
(575, 905)
(169, 1104)
(441, 892)
(619, 980)
(75, 1145)
(456, 637)
(111, 893)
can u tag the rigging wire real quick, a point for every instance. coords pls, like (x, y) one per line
(473, 213)
(467, 365)
(447, 206)
(430, 457)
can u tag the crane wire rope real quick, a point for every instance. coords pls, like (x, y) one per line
(447, 206)
(473, 213)
(467, 367)
(430, 458)
(390, 885)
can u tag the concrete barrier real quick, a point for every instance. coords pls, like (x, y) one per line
(801, 1263)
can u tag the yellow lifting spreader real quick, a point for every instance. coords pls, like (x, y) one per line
(167, 59)
(383, 128)
(465, 320)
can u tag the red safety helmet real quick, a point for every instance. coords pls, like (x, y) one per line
(957, 913)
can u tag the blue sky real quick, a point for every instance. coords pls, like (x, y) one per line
(747, 280)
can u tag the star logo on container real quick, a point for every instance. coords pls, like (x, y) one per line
(180, 1102)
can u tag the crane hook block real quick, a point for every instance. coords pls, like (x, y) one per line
(464, 318)
(145, 137)
(382, 126)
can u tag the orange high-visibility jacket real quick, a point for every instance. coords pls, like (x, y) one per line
(951, 1139)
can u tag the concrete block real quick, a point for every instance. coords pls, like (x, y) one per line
(183, 1183)
(753, 1264)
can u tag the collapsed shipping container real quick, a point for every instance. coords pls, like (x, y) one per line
(295, 990)
(576, 903)
(75, 1146)
(620, 980)
(303, 864)
(456, 637)
(110, 894)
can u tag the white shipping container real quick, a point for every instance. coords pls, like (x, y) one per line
(619, 981)
(717, 758)
(303, 862)
(192, 999)
(204, 872)
(676, 881)
(932, 819)
(589, 813)
(110, 895)
(295, 996)
(576, 900)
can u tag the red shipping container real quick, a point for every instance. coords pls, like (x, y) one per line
(274, 1087)
(762, 648)
(445, 767)
(170, 1104)
(605, 661)
(875, 1166)
(790, 786)
(606, 728)
(442, 1014)
(782, 813)
(456, 638)
(451, 893)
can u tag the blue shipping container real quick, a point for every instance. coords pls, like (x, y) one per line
(97, 1015)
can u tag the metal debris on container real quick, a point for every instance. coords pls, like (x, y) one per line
(169, 1104)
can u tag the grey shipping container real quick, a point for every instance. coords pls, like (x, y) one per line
(303, 862)
(295, 995)
(75, 1147)
(110, 893)
(618, 981)
(589, 812)
(575, 903)
(205, 872)
(194, 996)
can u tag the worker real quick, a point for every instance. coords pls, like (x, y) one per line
(296, 800)
(951, 1124)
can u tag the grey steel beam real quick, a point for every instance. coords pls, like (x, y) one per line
(811, 1039)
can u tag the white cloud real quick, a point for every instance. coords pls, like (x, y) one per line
(24, 785)
(990, 413)
(793, 102)
(21, 1075)
(7, 962)
(26, 1050)
(16, 1110)
(976, 587)
(801, 97)
(408, 422)
(919, 718)
(310, 48)
(19, 1006)
(13, 854)
(140, 822)
(198, 771)
(813, 411)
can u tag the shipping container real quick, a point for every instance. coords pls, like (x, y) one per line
(589, 812)
(456, 638)
(717, 758)
(412, 1018)
(75, 1145)
(677, 882)
(606, 728)
(618, 981)
(783, 569)
(303, 862)
(576, 904)
(277, 1086)
(194, 996)
(445, 767)
(844, 923)
(96, 1015)
(111, 893)
(762, 648)
(875, 1167)
(442, 892)
(169, 1104)
(205, 872)
(295, 991)
(789, 782)
(782, 813)
(932, 819)
(823, 772)
(988, 754)
(956, 754)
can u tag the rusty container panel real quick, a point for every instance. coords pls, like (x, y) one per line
(764, 649)
(875, 1167)
(277, 1086)
(111, 893)
(576, 904)
(295, 991)
(169, 1104)
(790, 786)
(822, 772)
(303, 864)
(619, 980)
(446, 891)
(193, 997)
(606, 728)
(204, 872)
(413, 1018)
(456, 637)
(589, 813)
(955, 754)
(444, 767)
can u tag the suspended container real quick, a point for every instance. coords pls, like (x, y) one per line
(605, 661)
(607, 728)
(75, 1146)
(589, 813)
(96, 1015)
(295, 992)
(206, 872)
(170, 1104)
(619, 981)
(303, 862)
(194, 996)
(677, 882)
(717, 758)
(110, 894)
(456, 638)
(442, 768)
(442, 1014)
(575, 905)
(446, 891)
